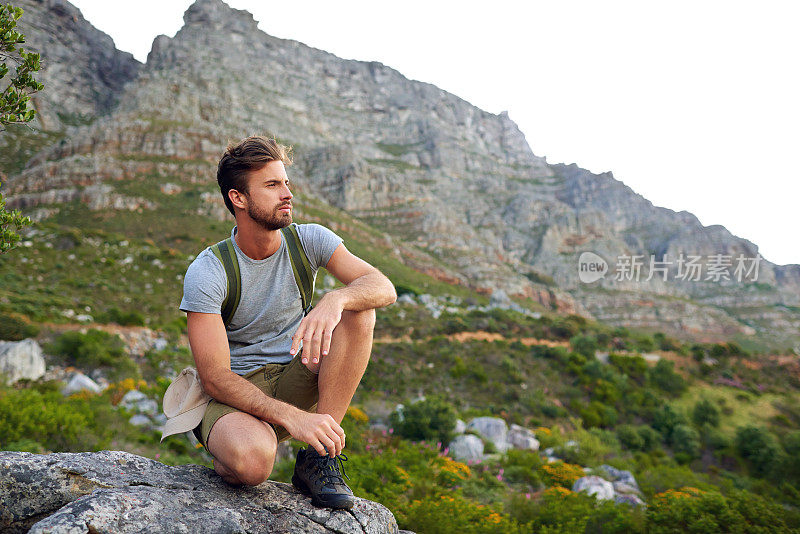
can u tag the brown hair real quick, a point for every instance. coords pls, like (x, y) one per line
(248, 155)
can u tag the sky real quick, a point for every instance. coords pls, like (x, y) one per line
(694, 105)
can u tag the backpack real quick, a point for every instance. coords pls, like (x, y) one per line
(303, 274)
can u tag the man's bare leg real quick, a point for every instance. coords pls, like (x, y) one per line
(341, 370)
(243, 447)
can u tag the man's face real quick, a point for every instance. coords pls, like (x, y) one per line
(269, 200)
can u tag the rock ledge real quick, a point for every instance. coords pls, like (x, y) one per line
(119, 492)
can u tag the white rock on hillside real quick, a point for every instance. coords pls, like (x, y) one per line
(21, 359)
(466, 447)
(595, 485)
(79, 382)
(521, 438)
(492, 428)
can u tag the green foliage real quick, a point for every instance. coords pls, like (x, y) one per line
(14, 108)
(685, 442)
(663, 376)
(583, 344)
(15, 328)
(759, 448)
(429, 419)
(122, 318)
(94, 349)
(691, 510)
(38, 419)
(705, 413)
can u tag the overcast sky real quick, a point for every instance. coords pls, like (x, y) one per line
(694, 105)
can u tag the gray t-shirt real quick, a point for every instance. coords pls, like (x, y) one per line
(270, 309)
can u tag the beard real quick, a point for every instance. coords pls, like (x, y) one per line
(274, 220)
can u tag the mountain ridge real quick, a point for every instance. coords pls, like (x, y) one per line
(411, 159)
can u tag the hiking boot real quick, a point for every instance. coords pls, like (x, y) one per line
(319, 476)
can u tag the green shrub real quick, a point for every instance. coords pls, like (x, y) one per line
(42, 418)
(429, 419)
(685, 442)
(689, 509)
(122, 318)
(665, 419)
(630, 438)
(93, 349)
(584, 344)
(663, 376)
(16, 328)
(705, 413)
(759, 448)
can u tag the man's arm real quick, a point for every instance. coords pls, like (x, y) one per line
(209, 345)
(365, 288)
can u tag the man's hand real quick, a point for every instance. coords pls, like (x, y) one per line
(316, 329)
(319, 430)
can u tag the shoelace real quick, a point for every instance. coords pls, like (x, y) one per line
(329, 468)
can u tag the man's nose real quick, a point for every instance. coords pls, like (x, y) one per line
(287, 193)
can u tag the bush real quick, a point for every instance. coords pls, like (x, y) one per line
(447, 514)
(705, 413)
(685, 442)
(16, 328)
(127, 318)
(584, 344)
(759, 448)
(630, 438)
(429, 419)
(94, 349)
(712, 513)
(663, 376)
(37, 419)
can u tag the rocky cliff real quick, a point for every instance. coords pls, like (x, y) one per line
(410, 159)
(114, 491)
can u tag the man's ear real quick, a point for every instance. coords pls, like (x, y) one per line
(237, 198)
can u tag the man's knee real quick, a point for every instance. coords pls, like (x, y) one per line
(363, 321)
(253, 464)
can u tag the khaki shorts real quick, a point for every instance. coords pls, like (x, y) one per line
(291, 382)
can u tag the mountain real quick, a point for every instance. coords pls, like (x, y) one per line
(457, 191)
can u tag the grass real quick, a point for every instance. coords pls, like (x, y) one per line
(737, 407)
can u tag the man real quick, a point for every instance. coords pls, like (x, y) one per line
(274, 373)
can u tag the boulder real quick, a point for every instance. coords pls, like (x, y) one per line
(601, 488)
(521, 438)
(137, 402)
(21, 359)
(618, 475)
(460, 427)
(466, 447)
(629, 498)
(493, 429)
(115, 491)
(80, 382)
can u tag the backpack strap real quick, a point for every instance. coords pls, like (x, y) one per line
(301, 267)
(225, 252)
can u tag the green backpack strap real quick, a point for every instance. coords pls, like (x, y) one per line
(225, 252)
(303, 274)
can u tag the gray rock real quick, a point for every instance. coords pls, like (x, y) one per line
(618, 475)
(522, 438)
(460, 427)
(80, 382)
(114, 491)
(466, 447)
(622, 487)
(629, 498)
(140, 420)
(137, 402)
(595, 485)
(493, 429)
(21, 359)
